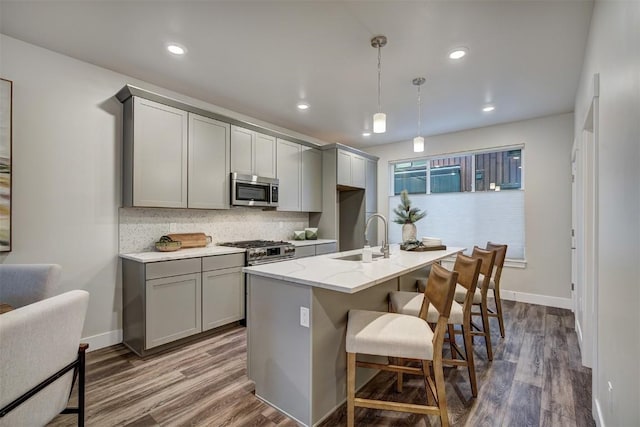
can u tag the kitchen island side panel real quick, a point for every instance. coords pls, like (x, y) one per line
(329, 325)
(279, 348)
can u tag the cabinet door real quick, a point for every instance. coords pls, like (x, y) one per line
(326, 248)
(222, 297)
(371, 188)
(344, 168)
(242, 150)
(209, 152)
(358, 171)
(159, 155)
(311, 180)
(289, 166)
(305, 251)
(265, 156)
(173, 309)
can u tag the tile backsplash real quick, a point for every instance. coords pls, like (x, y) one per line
(140, 228)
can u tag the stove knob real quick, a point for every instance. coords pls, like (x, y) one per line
(262, 253)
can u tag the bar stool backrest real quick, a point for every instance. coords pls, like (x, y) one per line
(486, 268)
(501, 254)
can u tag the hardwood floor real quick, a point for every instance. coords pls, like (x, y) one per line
(535, 379)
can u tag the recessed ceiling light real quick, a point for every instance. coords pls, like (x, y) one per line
(303, 106)
(488, 108)
(176, 49)
(458, 53)
(366, 133)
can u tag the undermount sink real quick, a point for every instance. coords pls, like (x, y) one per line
(357, 257)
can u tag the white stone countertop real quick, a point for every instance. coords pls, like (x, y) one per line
(182, 253)
(310, 242)
(325, 271)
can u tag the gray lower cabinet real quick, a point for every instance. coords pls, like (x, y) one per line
(166, 301)
(173, 309)
(222, 296)
(319, 249)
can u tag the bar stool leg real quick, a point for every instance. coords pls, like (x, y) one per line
(496, 293)
(485, 327)
(440, 390)
(351, 388)
(468, 350)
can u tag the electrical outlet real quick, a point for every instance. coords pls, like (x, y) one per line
(173, 227)
(304, 317)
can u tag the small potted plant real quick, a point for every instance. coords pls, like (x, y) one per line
(407, 216)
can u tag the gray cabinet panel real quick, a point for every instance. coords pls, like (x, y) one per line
(242, 150)
(344, 168)
(155, 270)
(305, 251)
(289, 170)
(326, 248)
(371, 188)
(311, 180)
(209, 160)
(357, 171)
(222, 297)
(222, 261)
(265, 155)
(159, 155)
(372, 233)
(173, 309)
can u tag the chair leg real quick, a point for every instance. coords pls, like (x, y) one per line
(426, 372)
(496, 295)
(351, 388)
(468, 351)
(81, 371)
(452, 340)
(440, 390)
(486, 329)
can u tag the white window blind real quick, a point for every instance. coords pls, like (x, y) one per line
(468, 219)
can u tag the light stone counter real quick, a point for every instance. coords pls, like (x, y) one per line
(182, 254)
(328, 272)
(297, 319)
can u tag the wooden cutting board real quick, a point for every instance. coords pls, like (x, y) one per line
(190, 240)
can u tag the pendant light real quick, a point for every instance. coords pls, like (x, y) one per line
(418, 141)
(380, 118)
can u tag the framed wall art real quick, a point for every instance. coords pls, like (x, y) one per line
(6, 131)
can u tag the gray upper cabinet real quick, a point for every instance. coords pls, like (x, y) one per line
(350, 169)
(209, 160)
(252, 153)
(155, 155)
(289, 174)
(311, 180)
(371, 187)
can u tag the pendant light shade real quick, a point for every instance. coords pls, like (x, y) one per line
(418, 144)
(379, 123)
(380, 118)
(418, 141)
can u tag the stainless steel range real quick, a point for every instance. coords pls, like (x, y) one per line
(264, 251)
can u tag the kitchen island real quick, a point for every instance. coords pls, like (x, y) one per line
(297, 317)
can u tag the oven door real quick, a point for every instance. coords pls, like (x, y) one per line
(248, 192)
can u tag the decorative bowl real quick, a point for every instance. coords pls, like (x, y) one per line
(168, 246)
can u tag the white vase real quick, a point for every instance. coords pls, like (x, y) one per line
(409, 232)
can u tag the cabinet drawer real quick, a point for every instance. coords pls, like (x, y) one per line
(222, 261)
(305, 251)
(326, 248)
(155, 270)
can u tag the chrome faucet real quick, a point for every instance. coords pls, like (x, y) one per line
(385, 243)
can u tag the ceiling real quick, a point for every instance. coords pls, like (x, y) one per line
(260, 58)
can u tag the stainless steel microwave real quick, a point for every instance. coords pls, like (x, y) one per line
(252, 190)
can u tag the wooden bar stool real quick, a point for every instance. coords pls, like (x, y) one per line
(411, 303)
(494, 282)
(480, 296)
(405, 337)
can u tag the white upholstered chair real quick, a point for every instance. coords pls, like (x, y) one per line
(399, 337)
(411, 303)
(40, 353)
(23, 284)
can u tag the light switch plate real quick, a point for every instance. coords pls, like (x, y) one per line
(304, 317)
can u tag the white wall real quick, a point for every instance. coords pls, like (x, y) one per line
(547, 180)
(613, 51)
(67, 140)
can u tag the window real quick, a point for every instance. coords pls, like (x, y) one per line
(464, 198)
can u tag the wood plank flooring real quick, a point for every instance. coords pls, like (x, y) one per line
(535, 379)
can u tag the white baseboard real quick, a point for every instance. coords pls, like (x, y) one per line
(598, 412)
(536, 299)
(106, 339)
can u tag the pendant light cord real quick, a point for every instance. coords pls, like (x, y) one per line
(419, 112)
(379, 81)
